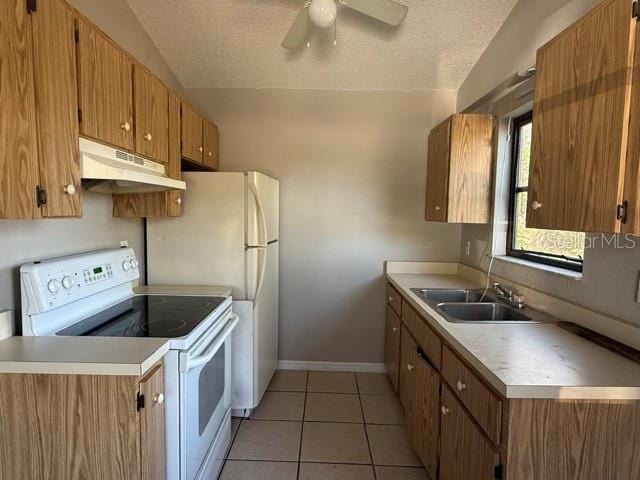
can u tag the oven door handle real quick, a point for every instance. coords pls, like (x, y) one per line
(211, 350)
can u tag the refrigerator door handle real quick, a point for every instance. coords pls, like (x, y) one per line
(263, 263)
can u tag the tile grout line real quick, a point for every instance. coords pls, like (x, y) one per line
(304, 410)
(364, 425)
(233, 439)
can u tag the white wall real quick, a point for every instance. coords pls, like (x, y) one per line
(352, 167)
(610, 281)
(22, 241)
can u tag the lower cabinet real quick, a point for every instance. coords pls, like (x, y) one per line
(392, 346)
(77, 427)
(408, 347)
(423, 418)
(465, 454)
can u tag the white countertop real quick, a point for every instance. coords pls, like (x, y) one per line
(213, 291)
(81, 355)
(528, 360)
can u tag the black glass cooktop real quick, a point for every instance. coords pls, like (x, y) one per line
(147, 316)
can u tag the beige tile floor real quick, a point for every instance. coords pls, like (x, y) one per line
(323, 426)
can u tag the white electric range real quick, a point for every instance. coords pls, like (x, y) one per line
(91, 294)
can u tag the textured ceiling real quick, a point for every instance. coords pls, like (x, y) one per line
(236, 44)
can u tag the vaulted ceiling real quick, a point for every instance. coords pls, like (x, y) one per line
(236, 44)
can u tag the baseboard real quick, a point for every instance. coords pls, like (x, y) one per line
(332, 366)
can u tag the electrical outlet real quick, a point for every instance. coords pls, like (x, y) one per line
(468, 249)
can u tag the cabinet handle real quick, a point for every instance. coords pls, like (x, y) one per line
(396, 329)
(461, 386)
(200, 149)
(159, 399)
(126, 126)
(147, 137)
(410, 366)
(70, 189)
(445, 410)
(536, 205)
(178, 201)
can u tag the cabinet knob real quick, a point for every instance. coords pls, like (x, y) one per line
(159, 399)
(147, 137)
(392, 299)
(445, 410)
(126, 126)
(200, 149)
(395, 329)
(210, 154)
(410, 366)
(536, 205)
(70, 189)
(438, 208)
(461, 386)
(178, 201)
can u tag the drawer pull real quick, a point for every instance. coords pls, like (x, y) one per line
(461, 386)
(445, 411)
(410, 366)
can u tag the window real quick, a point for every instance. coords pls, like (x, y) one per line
(550, 247)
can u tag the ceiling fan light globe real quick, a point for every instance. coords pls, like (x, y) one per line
(323, 13)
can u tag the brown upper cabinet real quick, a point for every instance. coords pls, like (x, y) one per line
(151, 108)
(586, 136)
(38, 119)
(210, 141)
(192, 134)
(459, 170)
(104, 88)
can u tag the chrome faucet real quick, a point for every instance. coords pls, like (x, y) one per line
(510, 297)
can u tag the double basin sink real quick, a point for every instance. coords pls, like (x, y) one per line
(471, 306)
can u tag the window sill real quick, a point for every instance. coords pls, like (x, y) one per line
(561, 272)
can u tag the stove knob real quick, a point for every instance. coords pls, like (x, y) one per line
(53, 286)
(126, 265)
(67, 283)
(134, 264)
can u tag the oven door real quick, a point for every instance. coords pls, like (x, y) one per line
(205, 394)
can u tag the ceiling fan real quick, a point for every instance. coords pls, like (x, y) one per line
(323, 13)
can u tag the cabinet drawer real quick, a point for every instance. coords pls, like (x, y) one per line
(485, 407)
(394, 299)
(426, 337)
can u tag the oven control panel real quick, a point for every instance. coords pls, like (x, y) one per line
(50, 284)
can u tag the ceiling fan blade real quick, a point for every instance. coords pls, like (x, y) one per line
(386, 11)
(299, 30)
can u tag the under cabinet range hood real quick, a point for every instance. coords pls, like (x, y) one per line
(110, 170)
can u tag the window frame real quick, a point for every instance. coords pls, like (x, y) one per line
(541, 258)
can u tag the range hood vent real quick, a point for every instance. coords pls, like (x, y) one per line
(109, 170)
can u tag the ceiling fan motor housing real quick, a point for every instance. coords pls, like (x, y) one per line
(323, 13)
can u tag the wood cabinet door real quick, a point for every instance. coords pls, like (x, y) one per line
(151, 108)
(152, 449)
(211, 151)
(423, 422)
(407, 380)
(438, 172)
(580, 123)
(470, 169)
(632, 168)
(392, 346)
(104, 88)
(18, 151)
(465, 454)
(54, 60)
(192, 134)
(174, 170)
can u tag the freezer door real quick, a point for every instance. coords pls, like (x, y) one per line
(266, 324)
(205, 246)
(263, 209)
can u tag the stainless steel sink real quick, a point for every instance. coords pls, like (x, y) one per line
(451, 295)
(482, 312)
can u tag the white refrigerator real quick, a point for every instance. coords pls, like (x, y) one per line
(228, 235)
